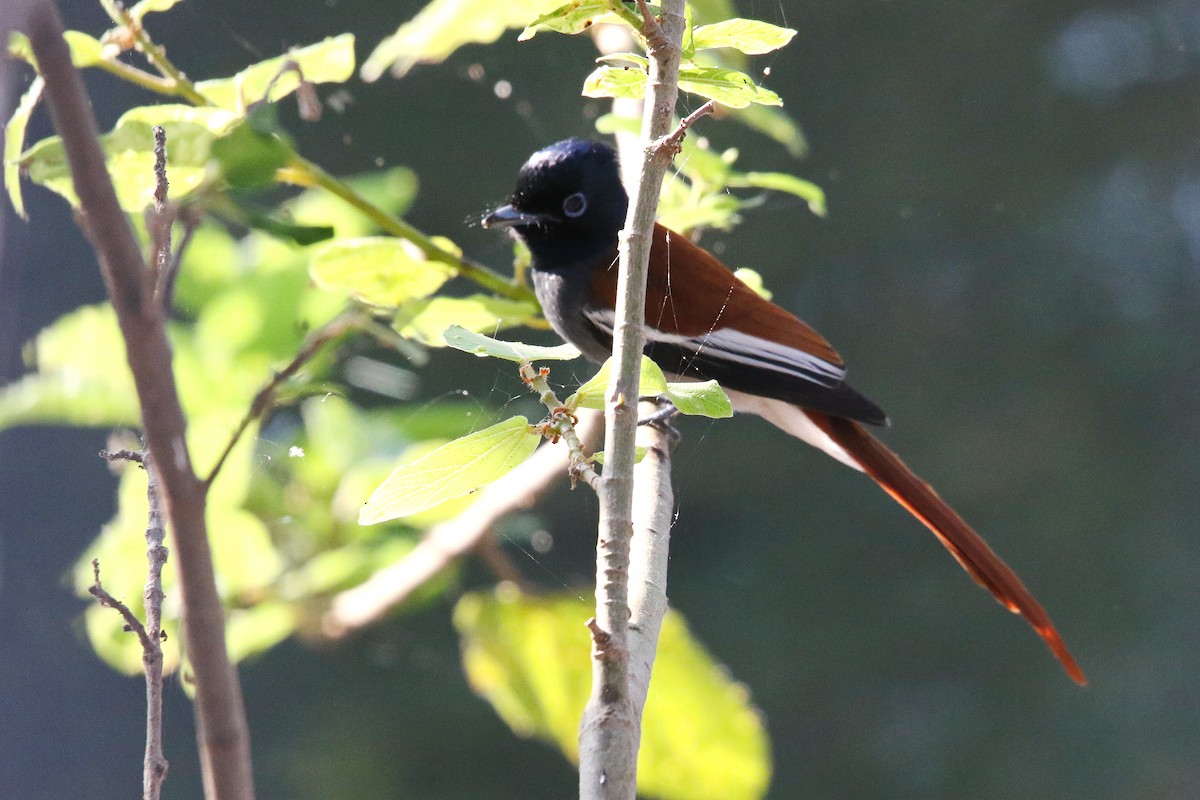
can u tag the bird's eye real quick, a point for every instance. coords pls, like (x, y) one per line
(575, 205)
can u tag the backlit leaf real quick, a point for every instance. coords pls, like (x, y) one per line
(529, 657)
(626, 82)
(443, 26)
(700, 398)
(782, 182)
(328, 61)
(381, 270)
(461, 339)
(427, 319)
(14, 140)
(453, 470)
(591, 393)
(725, 86)
(750, 36)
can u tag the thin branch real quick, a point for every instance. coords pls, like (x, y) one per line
(161, 219)
(224, 737)
(370, 601)
(561, 425)
(343, 322)
(674, 141)
(609, 732)
(151, 635)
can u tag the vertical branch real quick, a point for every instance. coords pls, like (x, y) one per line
(151, 635)
(224, 737)
(609, 733)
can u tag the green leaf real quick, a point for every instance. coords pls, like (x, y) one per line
(144, 7)
(82, 377)
(14, 140)
(623, 82)
(620, 59)
(443, 26)
(700, 398)
(392, 190)
(427, 319)
(381, 270)
(462, 339)
(86, 51)
(638, 454)
(328, 61)
(453, 470)
(754, 280)
(253, 150)
(651, 382)
(725, 86)
(782, 182)
(574, 17)
(750, 36)
(709, 211)
(775, 123)
(529, 657)
(129, 151)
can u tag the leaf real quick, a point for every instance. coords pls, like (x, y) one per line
(443, 26)
(622, 82)
(14, 140)
(453, 470)
(651, 382)
(754, 280)
(725, 86)
(82, 378)
(529, 658)
(782, 182)
(129, 152)
(425, 320)
(574, 17)
(700, 399)
(328, 61)
(253, 150)
(381, 270)
(86, 51)
(392, 190)
(775, 123)
(750, 36)
(638, 454)
(144, 7)
(462, 339)
(618, 59)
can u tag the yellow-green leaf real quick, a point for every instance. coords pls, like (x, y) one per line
(86, 51)
(144, 7)
(702, 739)
(443, 26)
(453, 470)
(328, 61)
(14, 140)
(427, 319)
(782, 182)
(754, 280)
(626, 82)
(469, 342)
(591, 394)
(747, 35)
(574, 17)
(725, 86)
(381, 270)
(129, 151)
(700, 398)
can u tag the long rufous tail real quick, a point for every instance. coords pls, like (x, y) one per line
(963, 543)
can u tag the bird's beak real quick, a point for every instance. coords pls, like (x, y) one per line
(507, 217)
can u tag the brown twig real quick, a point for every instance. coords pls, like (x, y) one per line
(348, 319)
(151, 635)
(161, 218)
(673, 141)
(224, 737)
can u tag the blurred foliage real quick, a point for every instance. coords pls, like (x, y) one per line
(263, 278)
(529, 656)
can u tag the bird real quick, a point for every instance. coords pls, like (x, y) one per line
(702, 322)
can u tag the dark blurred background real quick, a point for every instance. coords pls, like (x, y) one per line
(1010, 267)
